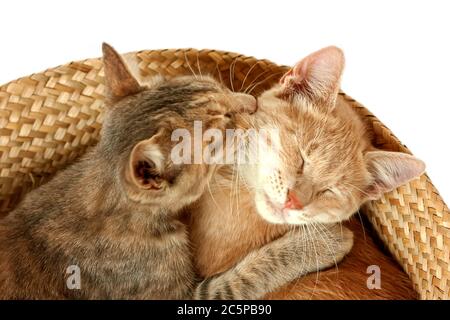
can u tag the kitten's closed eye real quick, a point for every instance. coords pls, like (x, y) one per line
(326, 192)
(214, 113)
(301, 166)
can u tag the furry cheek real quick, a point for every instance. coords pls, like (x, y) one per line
(267, 211)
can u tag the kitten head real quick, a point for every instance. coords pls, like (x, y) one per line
(321, 166)
(140, 119)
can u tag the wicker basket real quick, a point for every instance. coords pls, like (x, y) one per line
(50, 118)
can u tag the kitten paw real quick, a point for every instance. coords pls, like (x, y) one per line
(345, 243)
(342, 242)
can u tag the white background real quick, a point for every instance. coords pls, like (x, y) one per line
(398, 52)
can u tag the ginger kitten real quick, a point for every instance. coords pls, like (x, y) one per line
(114, 216)
(322, 170)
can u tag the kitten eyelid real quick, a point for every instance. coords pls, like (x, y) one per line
(219, 114)
(302, 166)
(326, 191)
(220, 117)
(214, 113)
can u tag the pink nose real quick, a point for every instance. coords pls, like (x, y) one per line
(292, 201)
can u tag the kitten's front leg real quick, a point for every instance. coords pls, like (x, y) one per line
(302, 250)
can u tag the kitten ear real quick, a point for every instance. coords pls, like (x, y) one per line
(119, 81)
(146, 164)
(317, 76)
(390, 170)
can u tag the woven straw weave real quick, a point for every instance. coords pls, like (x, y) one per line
(50, 118)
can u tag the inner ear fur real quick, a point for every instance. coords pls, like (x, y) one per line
(316, 77)
(390, 170)
(146, 164)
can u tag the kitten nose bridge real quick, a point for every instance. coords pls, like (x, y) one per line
(246, 102)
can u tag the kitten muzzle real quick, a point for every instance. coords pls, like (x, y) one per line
(292, 201)
(247, 102)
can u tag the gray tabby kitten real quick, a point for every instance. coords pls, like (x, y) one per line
(115, 214)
